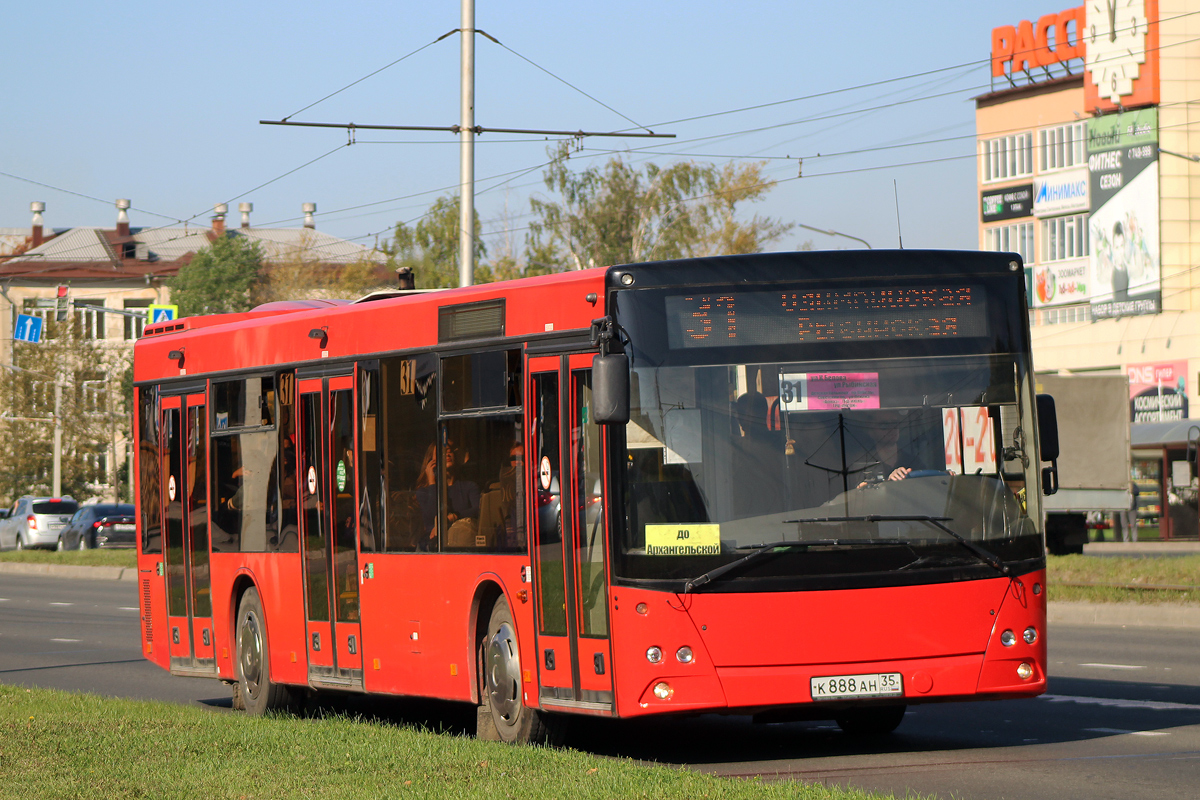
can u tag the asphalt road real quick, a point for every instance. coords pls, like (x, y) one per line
(1121, 719)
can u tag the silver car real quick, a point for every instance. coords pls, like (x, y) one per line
(36, 522)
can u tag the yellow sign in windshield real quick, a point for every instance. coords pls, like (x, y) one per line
(683, 539)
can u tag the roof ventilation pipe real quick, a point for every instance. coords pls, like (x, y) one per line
(37, 207)
(309, 209)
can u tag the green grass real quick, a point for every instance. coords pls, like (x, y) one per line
(59, 745)
(85, 558)
(1126, 572)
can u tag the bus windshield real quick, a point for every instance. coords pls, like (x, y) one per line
(856, 468)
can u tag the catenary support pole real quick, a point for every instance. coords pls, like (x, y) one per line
(466, 206)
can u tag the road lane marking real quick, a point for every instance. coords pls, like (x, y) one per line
(64, 640)
(1112, 702)
(127, 608)
(62, 604)
(1113, 666)
(1130, 733)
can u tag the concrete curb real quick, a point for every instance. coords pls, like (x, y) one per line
(1124, 615)
(1140, 548)
(70, 571)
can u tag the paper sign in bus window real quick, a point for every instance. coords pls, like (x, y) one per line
(970, 438)
(828, 391)
(683, 539)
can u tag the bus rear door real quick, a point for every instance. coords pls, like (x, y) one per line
(328, 530)
(568, 538)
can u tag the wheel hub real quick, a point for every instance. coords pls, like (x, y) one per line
(250, 653)
(504, 673)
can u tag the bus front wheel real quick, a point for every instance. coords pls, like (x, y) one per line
(503, 696)
(255, 691)
(871, 721)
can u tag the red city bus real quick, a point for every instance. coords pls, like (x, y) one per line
(793, 485)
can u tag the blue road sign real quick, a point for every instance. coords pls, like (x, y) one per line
(28, 328)
(163, 313)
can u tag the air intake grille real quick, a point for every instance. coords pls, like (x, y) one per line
(147, 625)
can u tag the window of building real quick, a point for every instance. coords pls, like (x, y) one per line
(1016, 238)
(1064, 238)
(1062, 146)
(90, 315)
(1063, 315)
(93, 393)
(1008, 157)
(135, 325)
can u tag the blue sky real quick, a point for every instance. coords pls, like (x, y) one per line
(160, 103)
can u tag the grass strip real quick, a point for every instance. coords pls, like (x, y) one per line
(60, 745)
(1096, 579)
(126, 557)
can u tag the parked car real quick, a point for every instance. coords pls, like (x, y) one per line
(35, 522)
(99, 525)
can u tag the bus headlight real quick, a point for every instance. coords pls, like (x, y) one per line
(654, 655)
(1008, 638)
(663, 691)
(684, 655)
(1030, 635)
(1025, 670)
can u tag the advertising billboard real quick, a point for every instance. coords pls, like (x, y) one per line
(1011, 202)
(1158, 391)
(1063, 192)
(1058, 283)
(1123, 230)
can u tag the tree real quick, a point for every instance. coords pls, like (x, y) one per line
(219, 278)
(91, 411)
(303, 275)
(430, 248)
(616, 214)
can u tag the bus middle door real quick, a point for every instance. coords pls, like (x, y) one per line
(184, 451)
(329, 531)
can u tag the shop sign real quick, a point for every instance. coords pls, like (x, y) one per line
(1158, 391)
(1123, 227)
(1026, 46)
(1060, 283)
(1010, 202)
(1061, 193)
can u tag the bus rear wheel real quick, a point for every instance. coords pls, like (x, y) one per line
(502, 695)
(255, 692)
(871, 721)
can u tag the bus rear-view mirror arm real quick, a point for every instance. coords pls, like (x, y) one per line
(1048, 442)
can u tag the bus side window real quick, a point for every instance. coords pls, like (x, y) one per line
(406, 427)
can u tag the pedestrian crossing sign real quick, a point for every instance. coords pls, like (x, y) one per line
(163, 313)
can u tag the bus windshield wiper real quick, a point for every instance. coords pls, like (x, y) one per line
(983, 555)
(766, 549)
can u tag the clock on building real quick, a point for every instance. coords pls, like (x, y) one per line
(1120, 37)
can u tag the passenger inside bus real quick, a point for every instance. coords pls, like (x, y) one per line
(758, 459)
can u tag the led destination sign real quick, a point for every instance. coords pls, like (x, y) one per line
(825, 315)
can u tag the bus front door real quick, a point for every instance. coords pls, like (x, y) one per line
(569, 538)
(328, 531)
(184, 452)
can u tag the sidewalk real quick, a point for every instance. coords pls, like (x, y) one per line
(1113, 615)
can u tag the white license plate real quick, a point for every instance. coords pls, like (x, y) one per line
(123, 528)
(839, 687)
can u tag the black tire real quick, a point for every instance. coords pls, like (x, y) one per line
(503, 705)
(871, 721)
(255, 691)
(60, 545)
(20, 542)
(83, 542)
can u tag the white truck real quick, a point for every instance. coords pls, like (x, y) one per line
(1094, 453)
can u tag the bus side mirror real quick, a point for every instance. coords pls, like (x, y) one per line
(1048, 442)
(610, 389)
